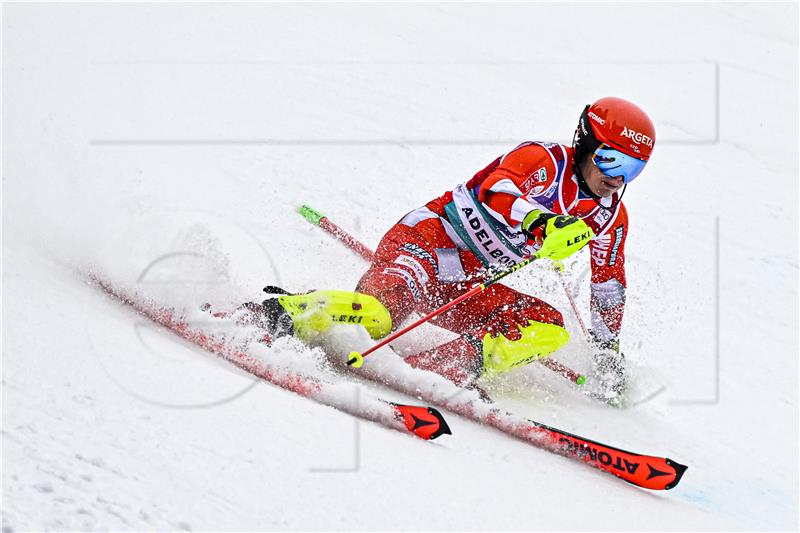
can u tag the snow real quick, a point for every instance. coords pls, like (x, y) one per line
(172, 143)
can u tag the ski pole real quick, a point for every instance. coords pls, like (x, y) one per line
(318, 219)
(357, 358)
(560, 273)
(563, 370)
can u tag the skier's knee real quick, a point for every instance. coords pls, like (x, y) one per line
(398, 292)
(536, 340)
(316, 312)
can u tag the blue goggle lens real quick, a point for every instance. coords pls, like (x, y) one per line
(614, 163)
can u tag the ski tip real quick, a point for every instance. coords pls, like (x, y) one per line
(679, 471)
(580, 380)
(356, 360)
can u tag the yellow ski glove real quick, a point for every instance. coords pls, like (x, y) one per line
(560, 235)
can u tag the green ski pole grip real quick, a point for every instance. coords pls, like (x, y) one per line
(311, 215)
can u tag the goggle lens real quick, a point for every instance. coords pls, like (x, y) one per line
(614, 163)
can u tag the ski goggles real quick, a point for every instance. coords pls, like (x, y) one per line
(614, 163)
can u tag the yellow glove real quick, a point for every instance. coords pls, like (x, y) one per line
(561, 235)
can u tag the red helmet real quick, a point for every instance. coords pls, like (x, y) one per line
(617, 135)
(617, 123)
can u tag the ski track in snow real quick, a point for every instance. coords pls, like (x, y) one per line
(110, 423)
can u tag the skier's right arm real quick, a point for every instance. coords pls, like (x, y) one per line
(524, 170)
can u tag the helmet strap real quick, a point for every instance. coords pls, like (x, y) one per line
(583, 144)
(619, 200)
(584, 187)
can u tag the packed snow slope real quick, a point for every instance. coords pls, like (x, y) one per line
(170, 145)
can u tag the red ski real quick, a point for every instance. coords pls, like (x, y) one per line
(656, 473)
(646, 471)
(424, 422)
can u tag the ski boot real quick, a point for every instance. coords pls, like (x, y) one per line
(308, 315)
(268, 316)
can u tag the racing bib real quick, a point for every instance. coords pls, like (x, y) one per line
(489, 239)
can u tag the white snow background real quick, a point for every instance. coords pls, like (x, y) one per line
(172, 143)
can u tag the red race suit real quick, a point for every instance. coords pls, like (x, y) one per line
(438, 251)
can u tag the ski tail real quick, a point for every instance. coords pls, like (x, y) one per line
(646, 471)
(425, 422)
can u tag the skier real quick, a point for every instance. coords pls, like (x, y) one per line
(539, 196)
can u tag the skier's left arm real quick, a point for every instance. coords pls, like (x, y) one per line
(608, 285)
